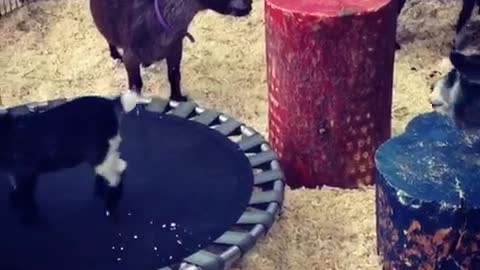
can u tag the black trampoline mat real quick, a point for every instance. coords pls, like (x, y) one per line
(185, 185)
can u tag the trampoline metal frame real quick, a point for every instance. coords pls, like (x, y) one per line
(269, 186)
(9, 6)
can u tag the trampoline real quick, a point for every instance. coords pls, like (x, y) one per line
(200, 189)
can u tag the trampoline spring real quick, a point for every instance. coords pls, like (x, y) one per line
(11, 6)
(8, 6)
(262, 158)
(3, 9)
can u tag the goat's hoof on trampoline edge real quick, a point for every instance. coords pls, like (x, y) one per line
(135, 89)
(180, 98)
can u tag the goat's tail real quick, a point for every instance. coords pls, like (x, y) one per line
(130, 99)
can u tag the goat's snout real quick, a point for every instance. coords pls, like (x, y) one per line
(436, 98)
(435, 102)
(241, 7)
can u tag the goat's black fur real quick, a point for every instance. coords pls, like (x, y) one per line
(133, 26)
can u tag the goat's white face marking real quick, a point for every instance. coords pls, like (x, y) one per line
(113, 166)
(445, 94)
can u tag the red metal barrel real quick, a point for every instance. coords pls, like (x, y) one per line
(330, 76)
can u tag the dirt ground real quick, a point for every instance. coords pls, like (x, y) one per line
(51, 49)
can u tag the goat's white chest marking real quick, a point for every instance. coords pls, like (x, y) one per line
(113, 166)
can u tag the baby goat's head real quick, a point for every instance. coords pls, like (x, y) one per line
(238, 8)
(457, 94)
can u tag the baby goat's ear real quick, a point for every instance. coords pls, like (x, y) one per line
(466, 64)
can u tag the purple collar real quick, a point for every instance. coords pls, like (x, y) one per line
(160, 17)
(164, 23)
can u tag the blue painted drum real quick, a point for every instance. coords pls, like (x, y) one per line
(428, 206)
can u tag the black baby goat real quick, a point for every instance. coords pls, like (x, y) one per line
(85, 129)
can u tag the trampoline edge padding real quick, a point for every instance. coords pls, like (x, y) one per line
(266, 201)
